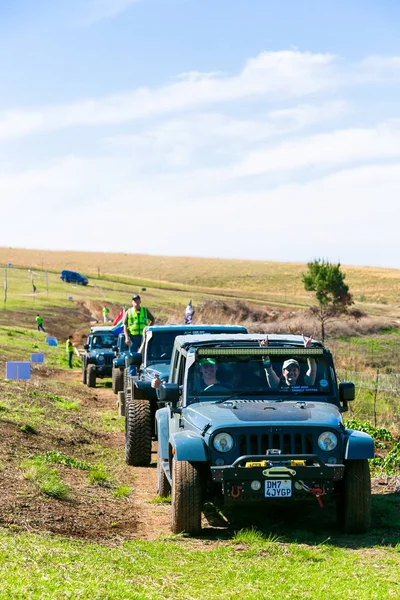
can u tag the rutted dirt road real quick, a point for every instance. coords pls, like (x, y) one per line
(151, 519)
(91, 511)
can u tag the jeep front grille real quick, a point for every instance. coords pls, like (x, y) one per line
(287, 443)
(108, 359)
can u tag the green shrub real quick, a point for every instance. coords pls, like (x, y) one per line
(390, 464)
(123, 491)
(47, 480)
(161, 500)
(99, 475)
(378, 433)
(28, 429)
(52, 456)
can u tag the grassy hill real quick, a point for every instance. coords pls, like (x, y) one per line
(376, 290)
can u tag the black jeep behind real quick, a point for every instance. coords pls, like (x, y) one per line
(98, 357)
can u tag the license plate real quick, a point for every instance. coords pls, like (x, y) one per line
(278, 488)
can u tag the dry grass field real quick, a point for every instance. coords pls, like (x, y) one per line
(375, 290)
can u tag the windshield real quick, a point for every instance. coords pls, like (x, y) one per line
(161, 343)
(228, 376)
(103, 341)
(160, 346)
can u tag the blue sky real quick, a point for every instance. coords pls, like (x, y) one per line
(263, 129)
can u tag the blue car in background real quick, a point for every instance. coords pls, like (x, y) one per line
(73, 277)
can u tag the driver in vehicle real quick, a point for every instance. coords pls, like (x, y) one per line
(208, 372)
(97, 342)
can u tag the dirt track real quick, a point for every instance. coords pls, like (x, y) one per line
(91, 510)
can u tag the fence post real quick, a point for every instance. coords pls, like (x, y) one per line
(376, 394)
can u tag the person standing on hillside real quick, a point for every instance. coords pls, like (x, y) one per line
(39, 322)
(106, 312)
(189, 313)
(136, 319)
(70, 350)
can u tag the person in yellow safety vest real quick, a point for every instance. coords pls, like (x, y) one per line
(70, 350)
(106, 312)
(135, 321)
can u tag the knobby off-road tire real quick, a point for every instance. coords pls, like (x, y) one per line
(117, 380)
(186, 498)
(163, 485)
(138, 433)
(125, 379)
(91, 376)
(354, 502)
(84, 375)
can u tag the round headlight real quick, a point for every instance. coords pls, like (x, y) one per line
(255, 485)
(327, 441)
(223, 442)
(100, 358)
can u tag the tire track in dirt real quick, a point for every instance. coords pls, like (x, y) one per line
(153, 520)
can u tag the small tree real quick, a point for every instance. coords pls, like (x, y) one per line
(332, 294)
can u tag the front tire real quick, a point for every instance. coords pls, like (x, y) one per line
(84, 375)
(354, 502)
(163, 485)
(117, 380)
(138, 433)
(126, 379)
(186, 498)
(91, 376)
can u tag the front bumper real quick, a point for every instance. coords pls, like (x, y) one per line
(308, 474)
(103, 370)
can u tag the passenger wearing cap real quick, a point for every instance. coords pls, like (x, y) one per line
(291, 371)
(208, 372)
(136, 319)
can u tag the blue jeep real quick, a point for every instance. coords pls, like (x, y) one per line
(118, 366)
(73, 277)
(140, 397)
(98, 356)
(246, 425)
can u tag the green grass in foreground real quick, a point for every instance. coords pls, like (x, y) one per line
(34, 567)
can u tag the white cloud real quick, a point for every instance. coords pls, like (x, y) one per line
(269, 163)
(272, 76)
(97, 10)
(216, 138)
(346, 215)
(334, 148)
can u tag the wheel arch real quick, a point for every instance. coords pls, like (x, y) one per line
(358, 445)
(189, 446)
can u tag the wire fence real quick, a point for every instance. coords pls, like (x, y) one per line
(381, 382)
(377, 397)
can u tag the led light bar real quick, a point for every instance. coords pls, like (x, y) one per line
(265, 351)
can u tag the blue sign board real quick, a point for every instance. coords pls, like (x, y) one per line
(51, 341)
(18, 370)
(37, 357)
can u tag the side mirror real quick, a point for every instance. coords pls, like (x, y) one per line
(86, 346)
(347, 393)
(169, 392)
(133, 358)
